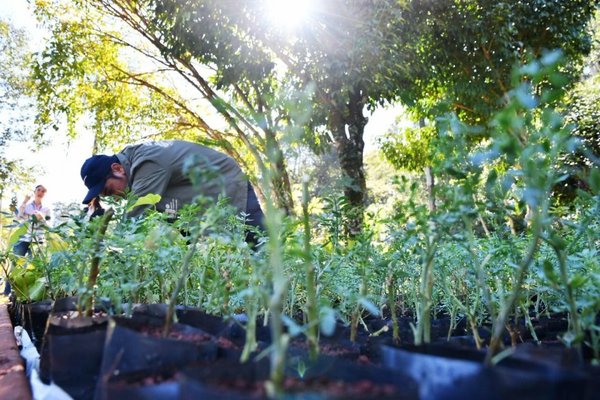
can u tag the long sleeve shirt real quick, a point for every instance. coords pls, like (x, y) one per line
(159, 168)
(35, 230)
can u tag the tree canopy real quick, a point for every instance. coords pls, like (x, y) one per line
(220, 72)
(15, 105)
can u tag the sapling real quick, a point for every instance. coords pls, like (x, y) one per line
(531, 136)
(362, 292)
(521, 271)
(422, 332)
(182, 277)
(200, 224)
(465, 306)
(390, 284)
(251, 344)
(280, 340)
(95, 265)
(312, 309)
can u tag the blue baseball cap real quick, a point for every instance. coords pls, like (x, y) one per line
(94, 173)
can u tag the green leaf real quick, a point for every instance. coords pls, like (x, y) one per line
(149, 199)
(28, 283)
(301, 368)
(294, 329)
(577, 281)
(548, 269)
(327, 321)
(369, 306)
(37, 291)
(55, 242)
(16, 235)
(594, 180)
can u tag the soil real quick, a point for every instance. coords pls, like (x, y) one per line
(187, 336)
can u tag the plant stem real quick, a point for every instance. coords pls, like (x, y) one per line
(184, 275)
(392, 306)
(357, 310)
(529, 325)
(273, 219)
(573, 314)
(250, 344)
(95, 267)
(423, 331)
(500, 322)
(311, 290)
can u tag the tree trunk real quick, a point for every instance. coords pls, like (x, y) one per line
(430, 182)
(429, 179)
(350, 146)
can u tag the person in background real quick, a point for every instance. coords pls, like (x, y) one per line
(158, 168)
(35, 214)
(94, 209)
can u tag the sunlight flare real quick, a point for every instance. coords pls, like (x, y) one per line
(289, 14)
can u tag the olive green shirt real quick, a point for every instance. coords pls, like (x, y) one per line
(157, 167)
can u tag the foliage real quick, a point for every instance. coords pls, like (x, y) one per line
(462, 53)
(14, 59)
(584, 113)
(410, 149)
(461, 259)
(82, 76)
(148, 70)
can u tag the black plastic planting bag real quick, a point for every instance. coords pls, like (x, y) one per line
(135, 346)
(186, 315)
(72, 354)
(72, 348)
(328, 378)
(446, 373)
(33, 318)
(226, 327)
(143, 385)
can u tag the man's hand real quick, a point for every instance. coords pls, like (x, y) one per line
(27, 198)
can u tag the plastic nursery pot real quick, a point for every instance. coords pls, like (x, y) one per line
(146, 385)
(333, 346)
(328, 378)
(71, 304)
(32, 317)
(136, 345)
(447, 373)
(229, 332)
(556, 357)
(229, 328)
(71, 338)
(211, 324)
(72, 354)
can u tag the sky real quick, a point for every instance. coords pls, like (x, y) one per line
(61, 162)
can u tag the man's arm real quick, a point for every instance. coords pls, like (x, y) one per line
(23, 206)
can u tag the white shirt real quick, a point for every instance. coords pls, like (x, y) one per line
(35, 229)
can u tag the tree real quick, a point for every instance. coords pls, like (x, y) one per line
(463, 52)
(461, 58)
(193, 44)
(342, 51)
(412, 149)
(14, 105)
(335, 56)
(82, 76)
(583, 111)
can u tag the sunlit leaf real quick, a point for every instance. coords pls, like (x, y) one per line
(149, 199)
(327, 321)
